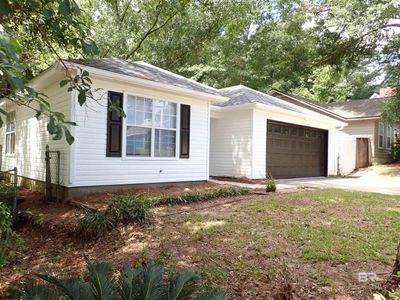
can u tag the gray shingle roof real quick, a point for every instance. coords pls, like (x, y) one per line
(240, 94)
(142, 70)
(358, 108)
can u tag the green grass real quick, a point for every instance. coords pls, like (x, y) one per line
(330, 225)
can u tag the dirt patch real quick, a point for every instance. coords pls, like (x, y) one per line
(239, 179)
(101, 200)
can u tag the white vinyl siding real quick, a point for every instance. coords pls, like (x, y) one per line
(32, 137)
(347, 138)
(93, 168)
(231, 144)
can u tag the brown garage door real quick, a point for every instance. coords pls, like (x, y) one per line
(296, 151)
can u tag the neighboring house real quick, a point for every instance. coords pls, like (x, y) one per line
(164, 138)
(254, 134)
(364, 140)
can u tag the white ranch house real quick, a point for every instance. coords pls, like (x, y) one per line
(176, 130)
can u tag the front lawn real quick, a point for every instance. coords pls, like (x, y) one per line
(310, 243)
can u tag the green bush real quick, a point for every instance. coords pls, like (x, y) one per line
(94, 225)
(144, 282)
(202, 195)
(7, 194)
(9, 240)
(396, 151)
(270, 185)
(129, 207)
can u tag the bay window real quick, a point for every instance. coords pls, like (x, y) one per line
(150, 127)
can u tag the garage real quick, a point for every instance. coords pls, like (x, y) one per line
(295, 151)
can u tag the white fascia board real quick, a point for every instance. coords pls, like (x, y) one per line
(149, 84)
(316, 106)
(316, 117)
(362, 119)
(260, 106)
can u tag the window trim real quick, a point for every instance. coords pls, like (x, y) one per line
(14, 120)
(381, 126)
(389, 134)
(153, 128)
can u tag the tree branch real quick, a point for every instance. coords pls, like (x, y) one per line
(151, 30)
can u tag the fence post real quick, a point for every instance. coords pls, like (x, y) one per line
(48, 175)
(15, 188)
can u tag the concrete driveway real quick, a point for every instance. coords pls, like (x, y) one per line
(383, 179)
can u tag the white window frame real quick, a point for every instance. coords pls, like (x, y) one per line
(389, 135)
(153, 129)
(381, 128)
(11, 119)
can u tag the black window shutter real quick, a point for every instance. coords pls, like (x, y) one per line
(114, 125)
(185, 131)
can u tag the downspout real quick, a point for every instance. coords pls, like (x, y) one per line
(338, 152)
(208, 140)
(73, 146)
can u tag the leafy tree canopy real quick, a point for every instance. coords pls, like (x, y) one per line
(328, 50)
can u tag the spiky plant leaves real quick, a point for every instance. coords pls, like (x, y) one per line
(151, 285)
(102, 281)
(35, 291)
(215, 295)
(79, 289)
(129, 283)
(182, 286)
(73, 289)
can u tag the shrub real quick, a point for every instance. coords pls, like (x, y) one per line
(9, 240)
(94, 225)
(270, 185)
(144, 282)
(7, 194)
(129, 207)
(396, 151)
(202, 195)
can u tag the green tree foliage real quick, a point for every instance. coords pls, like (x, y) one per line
(328, 50)
(33, 34)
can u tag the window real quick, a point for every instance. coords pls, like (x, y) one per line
(381, 134)
(10, 133)
(389, 134)
(150, 127)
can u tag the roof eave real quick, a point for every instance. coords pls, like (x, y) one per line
(149, 83)
(262, 106)
(316, 106)
(364, 118)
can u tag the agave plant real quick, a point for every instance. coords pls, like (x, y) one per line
(145, 282)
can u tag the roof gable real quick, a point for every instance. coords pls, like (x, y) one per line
(240, 94)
